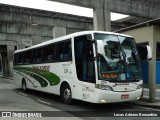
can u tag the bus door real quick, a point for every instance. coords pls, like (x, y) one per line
(85, 67)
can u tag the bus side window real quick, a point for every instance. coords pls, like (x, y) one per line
(54, 52)
(37, 55)
(48, 53)
(20, 59)
(27, 57)
(59, 51)
(67, 51)
(64, 51)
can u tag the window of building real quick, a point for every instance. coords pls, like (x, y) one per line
(158, 52)
(15, 48)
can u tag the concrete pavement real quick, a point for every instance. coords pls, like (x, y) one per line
(144, 101)
(12, 102)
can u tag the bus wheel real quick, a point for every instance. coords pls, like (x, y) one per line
(66, 94)
(24, 85)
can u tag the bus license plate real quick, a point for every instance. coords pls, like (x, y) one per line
(125, 96)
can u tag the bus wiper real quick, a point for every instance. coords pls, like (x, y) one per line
(124, 60)
(132, 71)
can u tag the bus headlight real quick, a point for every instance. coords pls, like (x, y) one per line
(105, 87)
(140, 86)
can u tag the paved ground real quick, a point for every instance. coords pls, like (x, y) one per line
(18, 102)
(14, 99)
(144, 101)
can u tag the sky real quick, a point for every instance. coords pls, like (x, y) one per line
(57, 7)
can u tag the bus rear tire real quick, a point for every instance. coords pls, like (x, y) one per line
(66, 94)
(24, 85)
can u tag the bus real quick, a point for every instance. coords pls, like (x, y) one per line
(92, 66)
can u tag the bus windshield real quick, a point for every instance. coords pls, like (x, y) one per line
(118, 59)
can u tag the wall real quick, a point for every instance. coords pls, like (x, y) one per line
(142, 34)
(23, 27)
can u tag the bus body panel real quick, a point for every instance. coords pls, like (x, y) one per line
(76, 89)
(63, 73)
(88, 92)
(103, 96)
(121, 86)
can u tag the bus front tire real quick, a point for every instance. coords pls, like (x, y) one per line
(66, 94)
(24, 86)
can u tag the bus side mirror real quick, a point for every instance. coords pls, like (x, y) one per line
(145, 52)
(100, 47)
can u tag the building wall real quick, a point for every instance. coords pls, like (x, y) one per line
(156, 32)
(143, 34)
(23, 27)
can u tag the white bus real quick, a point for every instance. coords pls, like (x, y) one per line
(93, 66)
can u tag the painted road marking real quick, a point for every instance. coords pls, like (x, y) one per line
(44, 102)
(23, 94)
(9, 88)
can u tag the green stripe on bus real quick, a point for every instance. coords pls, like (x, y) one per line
(52, 78)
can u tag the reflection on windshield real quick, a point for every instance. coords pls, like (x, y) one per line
(120, 60)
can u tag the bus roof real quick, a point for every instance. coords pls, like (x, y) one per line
(68, 37)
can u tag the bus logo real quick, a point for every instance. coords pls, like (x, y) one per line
(120, 84)
(41, 68)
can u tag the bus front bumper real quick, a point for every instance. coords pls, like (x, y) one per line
(103, 96)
